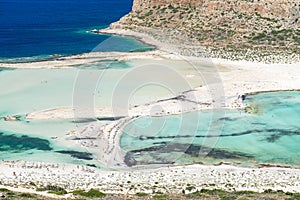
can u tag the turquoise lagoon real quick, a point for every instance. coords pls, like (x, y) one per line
(270, 136)
(24, 91)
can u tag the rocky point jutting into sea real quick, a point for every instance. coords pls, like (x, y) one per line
(254, 30)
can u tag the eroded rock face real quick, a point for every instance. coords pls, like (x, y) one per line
(280, 9)
(142, 4)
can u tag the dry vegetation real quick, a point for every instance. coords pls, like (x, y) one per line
(225, 25)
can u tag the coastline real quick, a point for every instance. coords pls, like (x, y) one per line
(238, 77)
(167, 44)
(139, 37)
(80, 59)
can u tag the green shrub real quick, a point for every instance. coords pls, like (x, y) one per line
(190, 187)
(269, 191)
(160, 197)
(227, 197)
(32, 184)
(27, 195)
(293, 196)
(149, 13)
(4, 190)
(53, 189)
(62, 192)
(170, 7)
(141, 194)
(244, 192)
(259, 36)
(91, 193)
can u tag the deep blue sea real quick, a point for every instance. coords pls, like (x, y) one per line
(46, 27)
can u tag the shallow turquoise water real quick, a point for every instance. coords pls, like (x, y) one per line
(24, 91)
(30, 90)
(272, 135)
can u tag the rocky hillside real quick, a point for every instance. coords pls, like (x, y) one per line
(239, 24)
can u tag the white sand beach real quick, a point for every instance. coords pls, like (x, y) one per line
(20, 175)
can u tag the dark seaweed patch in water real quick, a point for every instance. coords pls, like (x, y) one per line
(13, 143)
(275, 134)
(194, 150)
(273, 138)
(258, 123)
(143, 49)
(278, 133)
(109, 118)
(227, 119)
(84, 138)
(153, 154)
(5, 69)
(77, 154)
(87, 120)
(104, 65)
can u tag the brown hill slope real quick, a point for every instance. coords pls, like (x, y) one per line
(268, 25)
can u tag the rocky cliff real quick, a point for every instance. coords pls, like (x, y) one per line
(271, 24)
(287, 10)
